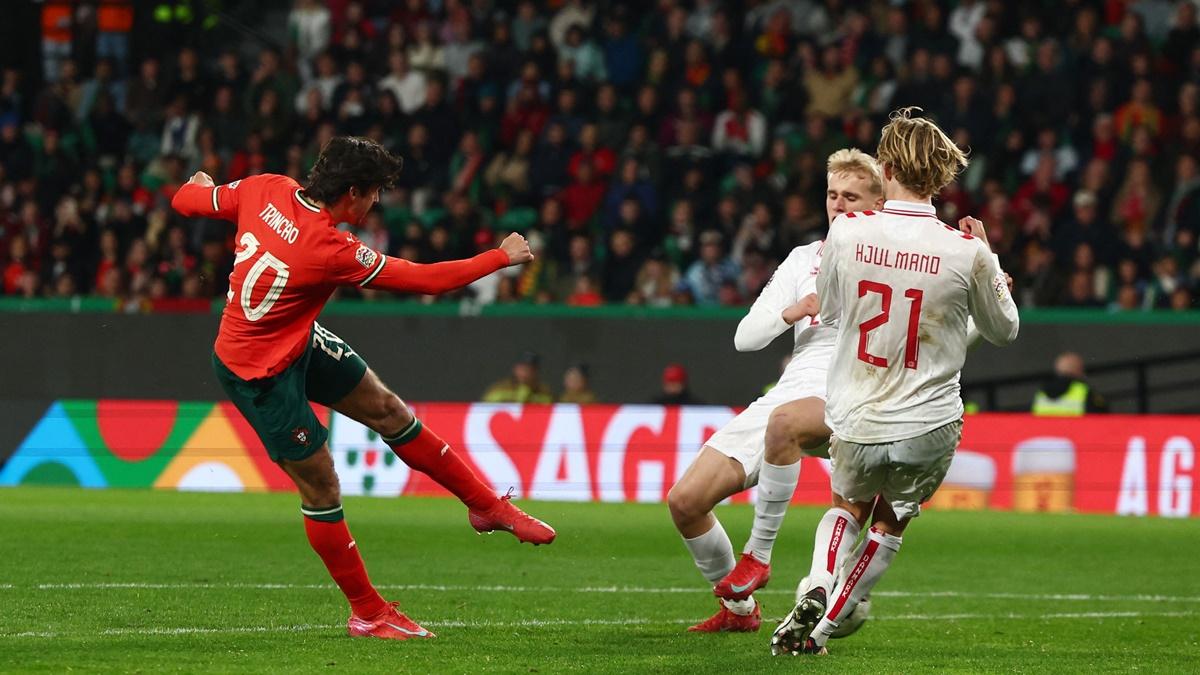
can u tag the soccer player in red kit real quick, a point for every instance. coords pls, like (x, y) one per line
(272, 358)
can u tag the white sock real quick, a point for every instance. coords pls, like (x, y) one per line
(740, 607)
(845, 561)
(712, 552)
(835, 538)
(879, 550)
(776, 484)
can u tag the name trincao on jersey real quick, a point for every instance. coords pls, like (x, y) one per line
(900, 260)
(275, 220)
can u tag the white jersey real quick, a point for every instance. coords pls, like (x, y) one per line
(795, 278)
(901, 286)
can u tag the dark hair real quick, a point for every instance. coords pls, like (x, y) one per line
(351, 161)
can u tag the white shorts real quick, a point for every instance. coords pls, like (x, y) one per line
(906, 473)
(744, 437)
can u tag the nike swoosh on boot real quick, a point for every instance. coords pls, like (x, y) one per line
(421, 633)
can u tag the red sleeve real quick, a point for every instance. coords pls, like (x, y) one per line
(353, 262)
(220, 201)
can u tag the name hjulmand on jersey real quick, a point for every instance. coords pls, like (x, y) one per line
(275, 220)
(900, 260)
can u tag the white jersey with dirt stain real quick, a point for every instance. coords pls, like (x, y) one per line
(900, 286)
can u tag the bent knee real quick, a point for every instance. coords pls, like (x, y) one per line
(324, 492)
(781, 428)
(685, 504)
(788, 429)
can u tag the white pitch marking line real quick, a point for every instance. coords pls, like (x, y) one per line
(1029, 617)
(535, 623)
(236, 629)
(538, 623)
(1075, 597)
(171, 585)
(1084, 597)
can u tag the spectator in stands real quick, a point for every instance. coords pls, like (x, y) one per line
(830, 84)
(522, 386)
(1085, 227)
(623, 54)
(1067, 393)
(508, 174)
(739, 131)
(629, 185)
(576, 385)
(675, 390)
(18, 264)
(310, 26)
(621, 266)
(712, 271)
(581, 199)
(656, 282)
(585, 292)
(405, 83)
(1137, 200)
(587, 59)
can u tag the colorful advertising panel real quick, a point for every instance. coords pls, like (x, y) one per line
(1128, 465)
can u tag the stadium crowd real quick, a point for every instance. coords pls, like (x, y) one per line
(656, 153)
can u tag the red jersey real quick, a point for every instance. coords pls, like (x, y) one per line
(290, 257)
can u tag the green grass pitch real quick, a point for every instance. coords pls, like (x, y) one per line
(153, 581)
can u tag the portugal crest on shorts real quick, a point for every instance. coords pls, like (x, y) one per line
(300, 435)
(365, 256)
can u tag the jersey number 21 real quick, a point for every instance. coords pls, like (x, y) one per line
(911, 343)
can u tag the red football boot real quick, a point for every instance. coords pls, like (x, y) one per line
(748, 576)
(390, 624)
(725, 621)
(505, 515)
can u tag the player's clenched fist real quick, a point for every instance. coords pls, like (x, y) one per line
(202, 179)
(803, 308)
(973, 227)
(517, 249)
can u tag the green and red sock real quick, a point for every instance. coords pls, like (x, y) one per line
(330, 538)
(424, 451)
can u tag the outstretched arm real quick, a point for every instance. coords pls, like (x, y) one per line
(400, 276)
(359, 264)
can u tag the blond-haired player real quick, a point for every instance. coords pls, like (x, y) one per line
(899, 286)
(764, 443)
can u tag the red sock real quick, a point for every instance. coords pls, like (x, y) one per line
(421, 449)
(332, 541)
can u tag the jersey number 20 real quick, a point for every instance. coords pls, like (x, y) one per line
(911, 344)
(249, 246)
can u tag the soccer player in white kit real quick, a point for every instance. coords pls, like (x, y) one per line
(764, 443)
(899, 286)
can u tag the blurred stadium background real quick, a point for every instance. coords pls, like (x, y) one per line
(662, 157)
